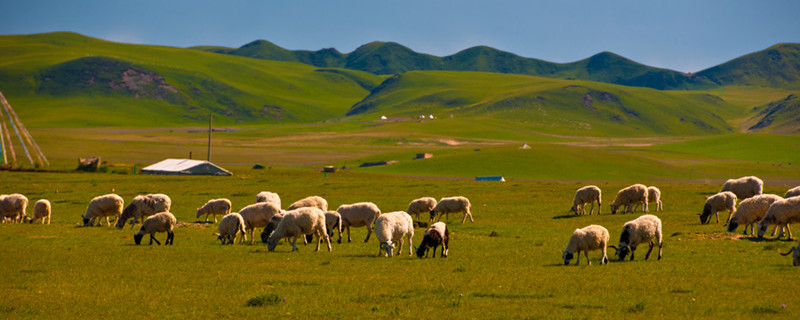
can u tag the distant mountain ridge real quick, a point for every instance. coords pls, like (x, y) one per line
(384, 58)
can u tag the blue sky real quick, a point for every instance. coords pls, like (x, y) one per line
(681, 35)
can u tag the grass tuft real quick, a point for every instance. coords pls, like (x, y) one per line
(637, 308)
(266, 299)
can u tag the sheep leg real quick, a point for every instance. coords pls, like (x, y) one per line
(604, 259)
(328, 241)
(206, 217)
(319, 239)
(152, 238)
(649, 251)
(400, 246)
(369, 232)
(586, 253)
(294, 247)
(215, 218)
(577, 258)
(170, 238)
(591, 209)
(789, 232)
(411, 245)
(633, 250)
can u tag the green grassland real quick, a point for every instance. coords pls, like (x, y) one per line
(505, 265)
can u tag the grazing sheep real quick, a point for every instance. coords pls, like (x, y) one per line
(13, 206)
(424, 204)
(143, 206)
(629, 196)
(229, 228)
(452, 205)
(107, 206)
(589, 238)
(390, 228)
(159, 222)
(257, 216)
(725, 200)
(333, 222)
(313, 201)
(643, 229)
(266, 196)
(744, 187)
(781, 212)
(271, 225)
(299, 222)
(41, 210)
(795, 256)
(750, 211)
(793, 192)
(216, 207)
(587, 194)
(436, 235)
(362, 214)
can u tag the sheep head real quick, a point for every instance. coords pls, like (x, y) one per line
(137, 238)
(272, 242)
(762, 229)
(732, 226)
(388, 247)
(567, 256)
(86, 222)
(433, 215)
(706, 216)
(614, 208)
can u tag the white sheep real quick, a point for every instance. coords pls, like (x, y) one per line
(215, 207)
(589, 238)
(159, 222)
(781, 212)
(725, 200)
(744, 187)
(424, 204)
(313, 201)
(266, 196)
(795, 256)
(299, 222)
(257, 216)
(390, 228)
(436, 235)
(793, 192)
(229, 228)
(362, 214)
(333, 222)
(452, 205)
(41, 210)
(109, 205)
(653, 195)
(644, 229)
(588, 194)
(13, 206)
(750, 212)
(143, 206)
(629, 196)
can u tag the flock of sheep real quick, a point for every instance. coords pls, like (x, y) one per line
(304, 218)
(764, 209)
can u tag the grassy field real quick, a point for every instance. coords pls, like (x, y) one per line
(505, 265)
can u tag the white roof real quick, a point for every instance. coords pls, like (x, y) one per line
(186, 166)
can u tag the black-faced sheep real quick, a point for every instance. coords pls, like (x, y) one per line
(271, 225)
(362, 214)
(781, 212)
(159, 222)
(266, 196)
(313, 201)
(795, 256)
(229, 228)
(421, 205)
(391, 228)
(452, 205)
(644, 229)
(725, 200)
(750, 212)
(793, 192)
(436, 235)
(13, 206)
(215, 207)
(587, 194)
(109, 205)
(41, 210)
(744, 187)
(589, 238)
(299, 222)
(257, 216)
(143, 206)
(630, 196)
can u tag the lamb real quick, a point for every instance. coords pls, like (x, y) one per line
(13, 206)
(229, 228)
(452, 205)
(725, 200)
(424, 204)
(216, 207)
(629, 196)
(266, 196)
(313, 201)
(587, 194)
(795, 256)
(109, 205)
(298, 222)
(793, 192)
(589, 238)
(257, 216)
(644, 229)
(142, 206)
(390, 228)
(41, 210)
(159, 222)
(358, 215)
(744, 187)
(781, 212)
(436, 235)
(750, 211)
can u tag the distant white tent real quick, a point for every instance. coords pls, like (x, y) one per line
(186, 167)
(383, 118)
